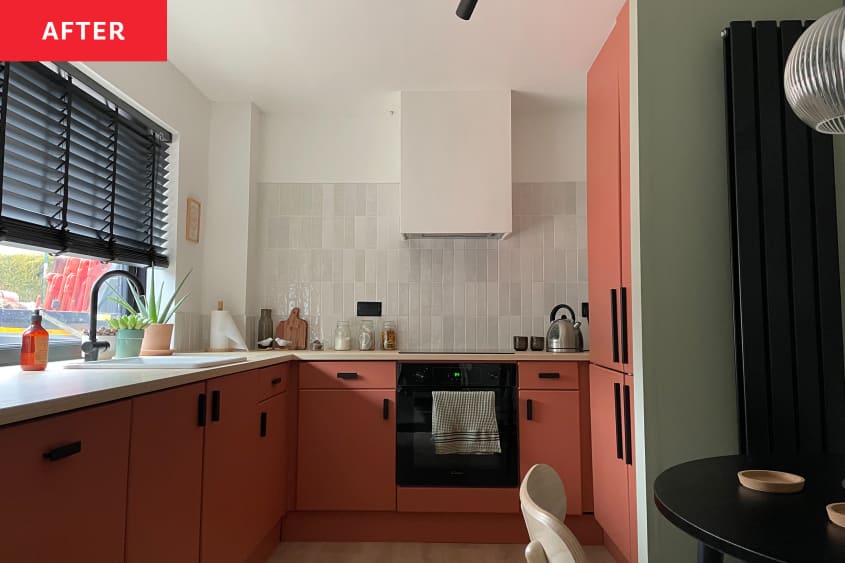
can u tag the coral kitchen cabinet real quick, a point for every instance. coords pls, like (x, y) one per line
(271, 467)
(165, 484)
(609, 263)
(229, 460)
(550, 424)
(201, 458)
(347, 436)
(63, 486)
(608, 202)
(611, 396)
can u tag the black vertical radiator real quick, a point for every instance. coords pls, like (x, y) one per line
(785, 256)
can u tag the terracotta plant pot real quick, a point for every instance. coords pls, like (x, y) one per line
(128, 343)
(157, 340)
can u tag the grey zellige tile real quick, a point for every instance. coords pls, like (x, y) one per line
(481, 299)
(581, 199)
(471, 333)
(436, 299)
(324, 245)
(425, 299)
(359, 265)
(414, 299)
(403, 298)
(437, 265)
(448, 299)
(470, 298)
(459, 299)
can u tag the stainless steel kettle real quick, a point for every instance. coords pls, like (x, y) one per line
(564, 335)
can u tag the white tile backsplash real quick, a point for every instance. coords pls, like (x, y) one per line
(324, 246)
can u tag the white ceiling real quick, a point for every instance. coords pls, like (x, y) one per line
(296, 55)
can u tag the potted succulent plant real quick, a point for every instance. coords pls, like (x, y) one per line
(130, 334)
(156, 312)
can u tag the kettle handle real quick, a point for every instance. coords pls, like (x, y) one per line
(558, 308)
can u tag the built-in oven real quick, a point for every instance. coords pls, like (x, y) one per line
(417, 464)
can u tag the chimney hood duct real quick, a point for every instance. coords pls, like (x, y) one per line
(456, 165)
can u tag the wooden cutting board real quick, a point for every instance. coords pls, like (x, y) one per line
(294, 330)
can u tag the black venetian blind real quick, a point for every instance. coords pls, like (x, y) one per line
(80, 173)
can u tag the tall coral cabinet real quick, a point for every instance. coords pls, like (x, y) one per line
(609, 255)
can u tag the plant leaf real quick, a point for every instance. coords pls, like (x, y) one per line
(166, 312)
(175, 307)
(152, 306)
(139, 301)
(123, 303)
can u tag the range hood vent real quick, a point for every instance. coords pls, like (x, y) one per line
(454, 235)
(456, 165)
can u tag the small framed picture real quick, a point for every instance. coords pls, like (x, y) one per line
(192, 220)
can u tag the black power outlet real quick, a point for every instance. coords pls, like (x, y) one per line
(585, 310)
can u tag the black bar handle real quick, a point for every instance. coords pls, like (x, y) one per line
(623, 304)
(215, 406)
(549, 376)
(627, 409)
(347, 375)
(201, 408)
(385, 409)
(529, 409)
(63, 451)
(275, 380)
(617, 410)
(613, 321)
(263, 430)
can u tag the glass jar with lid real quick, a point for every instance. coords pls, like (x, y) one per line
(367, 336)
(342, 336)
(388, 335)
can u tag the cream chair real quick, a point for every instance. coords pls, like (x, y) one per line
(543, 501)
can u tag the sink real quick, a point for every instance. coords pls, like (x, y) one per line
(183, 361)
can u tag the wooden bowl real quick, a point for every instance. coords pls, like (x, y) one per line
(836, 513)
(771, 481)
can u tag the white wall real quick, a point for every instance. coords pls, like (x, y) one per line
(363, 145)
(227, 211)
(171, 98)
(550, 146)
(360, 146)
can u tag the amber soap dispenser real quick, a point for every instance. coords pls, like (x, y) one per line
(34, 343)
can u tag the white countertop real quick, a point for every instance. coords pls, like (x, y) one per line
(27, 395)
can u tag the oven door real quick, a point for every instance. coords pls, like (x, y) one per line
(418, 466)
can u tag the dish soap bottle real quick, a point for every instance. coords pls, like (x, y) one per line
(34, 342)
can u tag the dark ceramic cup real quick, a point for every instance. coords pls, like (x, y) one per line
(538, 343)
(520, 343)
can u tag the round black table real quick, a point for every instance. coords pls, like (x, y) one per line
(704, 499)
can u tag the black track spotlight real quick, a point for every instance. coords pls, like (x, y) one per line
(465, 8)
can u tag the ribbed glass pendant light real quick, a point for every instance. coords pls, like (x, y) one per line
(814, 76)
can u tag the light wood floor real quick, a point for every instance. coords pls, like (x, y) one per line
(367, 552)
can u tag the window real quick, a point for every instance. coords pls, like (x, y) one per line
(61, 287)
(81, 173)
(83, 190)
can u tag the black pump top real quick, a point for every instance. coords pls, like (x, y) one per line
(36, 316)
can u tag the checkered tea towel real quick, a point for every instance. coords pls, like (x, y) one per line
(464, 422)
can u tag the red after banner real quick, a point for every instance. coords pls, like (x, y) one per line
(84, 30)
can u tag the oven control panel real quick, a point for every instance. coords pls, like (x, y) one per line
(460, 375)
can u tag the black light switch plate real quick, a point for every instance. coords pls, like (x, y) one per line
(369, 308)
(585, 310)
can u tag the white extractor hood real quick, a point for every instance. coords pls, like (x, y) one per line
(456, 165)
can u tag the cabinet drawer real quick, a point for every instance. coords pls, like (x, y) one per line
(272, 380)
(548, 375)
(347, 375)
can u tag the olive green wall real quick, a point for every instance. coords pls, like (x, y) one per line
(685, 396)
